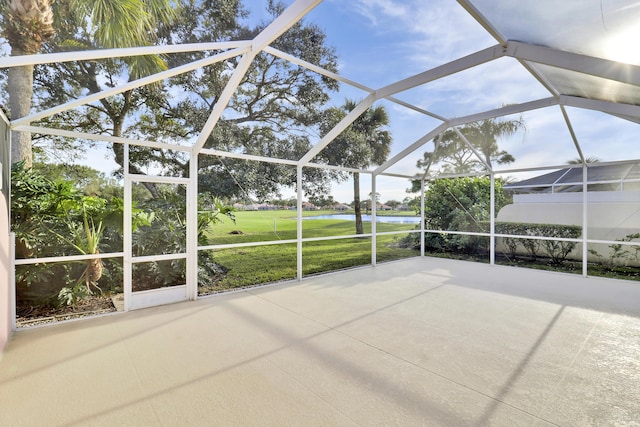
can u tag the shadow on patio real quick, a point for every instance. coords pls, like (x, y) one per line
(415, 342)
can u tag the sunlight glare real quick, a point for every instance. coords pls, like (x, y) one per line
(623, 46)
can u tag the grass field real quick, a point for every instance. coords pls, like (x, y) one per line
(248, 266)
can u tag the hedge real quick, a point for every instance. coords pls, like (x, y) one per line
(556, 250)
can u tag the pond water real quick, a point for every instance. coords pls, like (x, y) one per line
(367, 218)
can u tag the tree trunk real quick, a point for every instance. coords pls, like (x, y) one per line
(118, 150)
(20, 88)
(356, 203)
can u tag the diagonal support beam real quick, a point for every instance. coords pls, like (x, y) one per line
(223, 101)
(129, 86)
(576, 143)
(339, 78)
(452, 67)
(419, 143)
(282, 23)
(337, 130)
(482, 20)
(604, 68)
(475, 151)
(504, 111)
(623, 110)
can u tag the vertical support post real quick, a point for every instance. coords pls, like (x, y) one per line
(422, 189)
(127, 230)
(492, 225)
(192, 228)
(299, 226)
(374, 224)
(12, 284)
(585, 219)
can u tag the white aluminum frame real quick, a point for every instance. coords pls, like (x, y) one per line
(134, 300)
(526, 54)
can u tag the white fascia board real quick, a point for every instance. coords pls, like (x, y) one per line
(242, 156)
(282, 23)
(88, 55)
(410, 149)
(615, 108)
(537, 168)
(504, 111)
(129, 86)
(337, 130)
(604, 68)
(448, 69)
(105, 138)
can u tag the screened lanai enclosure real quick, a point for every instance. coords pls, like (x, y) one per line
(485, 102)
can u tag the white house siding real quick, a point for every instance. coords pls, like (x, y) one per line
(611, 215)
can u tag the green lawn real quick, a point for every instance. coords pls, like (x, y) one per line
(263, 264)
(260, 226)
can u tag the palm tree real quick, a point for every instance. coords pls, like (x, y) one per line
(484, 136)
(27, 25)
(102, 23)
(364, 143)
(458, 157)
(578, 160)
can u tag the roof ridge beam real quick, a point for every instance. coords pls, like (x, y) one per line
(411, 148)
(505, 111)
(444, 70)
(591, 65)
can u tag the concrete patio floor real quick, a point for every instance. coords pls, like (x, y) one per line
(418, 342)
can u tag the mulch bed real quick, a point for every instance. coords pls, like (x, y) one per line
(27, 316)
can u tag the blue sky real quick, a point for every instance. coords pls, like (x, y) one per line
(382, 41)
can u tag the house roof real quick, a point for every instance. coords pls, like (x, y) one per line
(570, 179)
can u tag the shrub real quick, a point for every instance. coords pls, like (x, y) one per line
(457, 204)
(556, 250)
